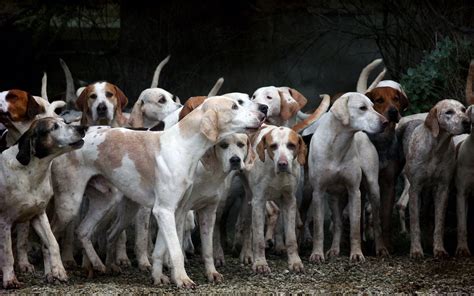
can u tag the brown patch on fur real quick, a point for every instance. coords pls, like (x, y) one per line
(301, 151)
(299, 98)
(386, 98)
(431, 122)
(288, 109)
(191, 104)
(22, 106)
(118, 144)
(264, 143)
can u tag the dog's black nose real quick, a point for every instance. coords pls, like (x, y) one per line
(282, 166)
(263, 108)
(466, 125)
(234, 162)
(81, 129)
(102, 108)
(393, 114)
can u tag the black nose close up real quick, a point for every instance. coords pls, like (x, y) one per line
(466, 125)
(234, 162)
(81, 129)
(263, 108)
(282, 166)
(101, 108)
(393, 115)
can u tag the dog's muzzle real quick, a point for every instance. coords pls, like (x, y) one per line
(282, 166)
(102, 110)
(234, 163)
(263, 108)
(393, 115)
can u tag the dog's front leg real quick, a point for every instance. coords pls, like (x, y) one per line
(142, 225)
(374, 196)
(207, 218)
(6, 257)
(441, 202)
(416, 251)
(260, 264)
(56, 270)
(462, 249)
(22, 231)
(336, 209)
(354, 218)
(317, 254)
(289, 217)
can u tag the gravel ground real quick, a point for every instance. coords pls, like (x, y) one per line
(388, 276)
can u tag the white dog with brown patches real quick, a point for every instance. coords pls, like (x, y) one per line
(275, 176)
(156, 169)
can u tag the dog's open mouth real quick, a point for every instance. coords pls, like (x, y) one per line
(77, 144)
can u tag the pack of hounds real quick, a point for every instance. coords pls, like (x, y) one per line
(77, 168)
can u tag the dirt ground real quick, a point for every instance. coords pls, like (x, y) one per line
(397, 274)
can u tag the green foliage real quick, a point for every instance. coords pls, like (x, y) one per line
(440, 75)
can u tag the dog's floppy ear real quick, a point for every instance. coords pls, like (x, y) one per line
(209, 159)
(302, 151)
(341, 110)
(24, 148)
(299, 98)
(191, 104)
(122, 98)
(288, 108)
(250, 158)
(209, 126)
(403, 101)
(32, 107)
(261, 148)
(431, 122)
(136, 116)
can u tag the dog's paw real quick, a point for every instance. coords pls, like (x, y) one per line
(11, 283)
(440, 253)
(57, 275)
(463, 251)
(357, 257)
(219, 261)
(261, 266)
(416, 253)
(26, 267)
(382, 252)
(215, 277)
(333, 252)
(124, 261)
(113, 269)
(185, 282)
(316, 258)
(161, 280)
(296, 266)
(246, 257)
(144, 265)
(279, 249)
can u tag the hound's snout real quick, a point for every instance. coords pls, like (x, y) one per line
(393, 114)
(102, 109)
(263, 108)
(234, 162)
(282, 166)
(81, 129)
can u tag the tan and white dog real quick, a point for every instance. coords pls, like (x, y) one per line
(25, 189)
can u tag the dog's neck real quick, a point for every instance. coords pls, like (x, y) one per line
(440, 144)
(37, 169)
(339, 139)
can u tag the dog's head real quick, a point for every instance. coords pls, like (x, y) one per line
(388, 101)
(356, 111)
(49, 137)
(283, 102)
(223, 116)
(153, 104)
(231, 153)
(18, 106)
(283, 146)
(244, 100)
(102, 102)
(449, 116)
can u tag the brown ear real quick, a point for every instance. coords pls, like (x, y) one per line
(209, 125)
(250, 158)
(288, 109)
(261, 149)
(209, 159)
(81, 102)
(302, 151)
(299, 98)
(191, 104)
(341, 110)
(32, 107)
(136, 116)
(431, 122)
(122, 98)
(403, 101)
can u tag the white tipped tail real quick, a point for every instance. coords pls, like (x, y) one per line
(44, 86)
(70, 92)
(377, 80)
(156, 75)
(215, 89)
(322, 108)
(364, 75)
(470, 77)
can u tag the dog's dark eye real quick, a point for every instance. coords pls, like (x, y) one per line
(363, 108)
(450, 112)
(93, 96)
(55, 126)
(162, 101)
(235, 107)
(291, 146)
(463, 109)
(253, 97)
(108, 94)
(240, 102)
(268, 97)
(273, 146)
(240, 144)
(224, 145)
(379, 101)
